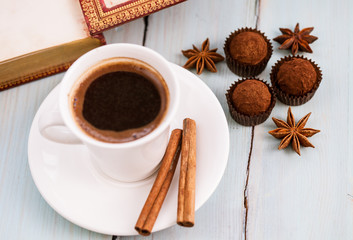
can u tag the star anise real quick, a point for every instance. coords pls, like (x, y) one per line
(297, 40)
(202, 58)
(290, 131)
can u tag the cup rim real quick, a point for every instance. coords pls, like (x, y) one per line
(76, 66)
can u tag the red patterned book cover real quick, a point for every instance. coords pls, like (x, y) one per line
(101, 15)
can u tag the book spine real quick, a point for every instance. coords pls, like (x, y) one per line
(35, 65)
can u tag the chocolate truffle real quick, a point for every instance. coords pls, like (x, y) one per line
(248, 47)
(251, 97)
(247, 52)
(296, 76)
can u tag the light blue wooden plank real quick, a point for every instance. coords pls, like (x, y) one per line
(349, 169)
(292, 197)
(178, 28)
(131, 32)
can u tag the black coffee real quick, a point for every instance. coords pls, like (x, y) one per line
(119, 100)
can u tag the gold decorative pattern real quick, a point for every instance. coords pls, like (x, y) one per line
(99, 20)
(34, 76)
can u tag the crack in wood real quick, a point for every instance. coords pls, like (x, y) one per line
(246, 184)
(246, 206)
(145, 21)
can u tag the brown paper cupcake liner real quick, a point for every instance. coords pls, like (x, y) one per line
(247, 120)
(243, 69)
(288, 98)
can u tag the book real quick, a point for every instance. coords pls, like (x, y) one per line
(41, 38)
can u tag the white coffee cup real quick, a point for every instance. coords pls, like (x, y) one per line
(130, 161)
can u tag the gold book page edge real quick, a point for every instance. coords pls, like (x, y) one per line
(99, 19)
(42, 63)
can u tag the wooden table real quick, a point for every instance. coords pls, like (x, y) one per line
(264, 193)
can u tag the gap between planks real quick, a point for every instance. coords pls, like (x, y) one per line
(246, 206)
(246, 184)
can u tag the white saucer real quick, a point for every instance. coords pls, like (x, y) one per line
(72, 186)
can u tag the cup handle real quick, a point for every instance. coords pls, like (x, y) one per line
(52, 127)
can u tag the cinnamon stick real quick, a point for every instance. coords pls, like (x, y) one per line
(186, 195)
(153, 204)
